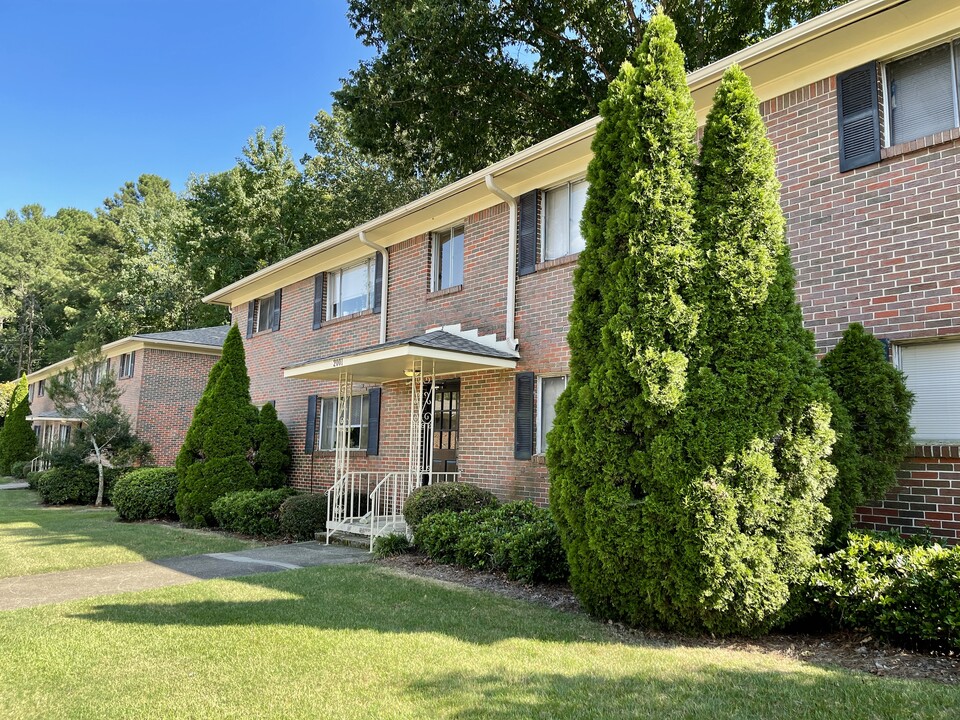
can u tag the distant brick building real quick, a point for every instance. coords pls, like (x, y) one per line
(861, 105)
(162, 376)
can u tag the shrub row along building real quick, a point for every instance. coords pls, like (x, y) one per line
(430, 342)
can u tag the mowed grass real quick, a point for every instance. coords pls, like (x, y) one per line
(36, 539)
(362, 642)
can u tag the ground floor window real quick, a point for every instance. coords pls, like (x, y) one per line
(550, 389)
(358, 424)
(933, 376)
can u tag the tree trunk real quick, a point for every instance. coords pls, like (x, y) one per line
(96, 450)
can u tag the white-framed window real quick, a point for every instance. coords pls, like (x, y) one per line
(548, 392)
(921, 93)
(41, 387)
(127, 364)
(99, 370)
(562, 210)
(359, 423)
(264, 309)
(350, 289)
(933, 375)
(448, 257)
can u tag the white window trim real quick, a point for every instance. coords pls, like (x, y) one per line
(362, 397)
(885, 85)
(896, 356)
(541, 445)
(543, 216)
(370, 264)
(435, 253)
(259, 307)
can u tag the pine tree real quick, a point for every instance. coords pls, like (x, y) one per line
(750, 455)
(632, 324)
(18, 442)
(215, 457)
(272, 449)
(874, 395)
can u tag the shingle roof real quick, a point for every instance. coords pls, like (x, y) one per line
(200, 336)
(438, 339)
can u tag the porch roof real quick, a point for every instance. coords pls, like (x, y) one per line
(51, 415)
(447, 354)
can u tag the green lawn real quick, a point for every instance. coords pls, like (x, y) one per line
(36, 539)
(361, 642)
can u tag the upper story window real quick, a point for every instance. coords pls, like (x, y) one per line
(933, 375)
(550, 389)
(448, 258)
(41, 387)
(921, 93)
(265, 308)
(127, 363)
(562, 210)
(350, 289)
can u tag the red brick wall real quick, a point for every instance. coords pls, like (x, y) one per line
(879, 245)
(168, 385)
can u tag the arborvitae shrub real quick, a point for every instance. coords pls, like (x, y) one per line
(455, 496)
(875, 396)
(17, 439)
(146, 494)
(632, 324)
(214, 459)
(303, 516)
(251, 512)
(271, 449)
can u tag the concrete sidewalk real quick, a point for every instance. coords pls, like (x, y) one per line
(14, 486)
(32, 590)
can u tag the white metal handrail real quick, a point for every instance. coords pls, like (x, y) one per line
(386, 505)
(39, 463)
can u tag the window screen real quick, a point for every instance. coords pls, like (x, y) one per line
(563, 208)
(448, 253)
(922, 94)
(550, 389)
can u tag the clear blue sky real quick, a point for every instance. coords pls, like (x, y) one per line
(97, 92)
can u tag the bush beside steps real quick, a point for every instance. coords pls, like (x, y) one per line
(146, 494)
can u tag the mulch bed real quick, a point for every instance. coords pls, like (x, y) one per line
(853, 651)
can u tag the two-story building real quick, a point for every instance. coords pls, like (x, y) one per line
(432, 339)
(161, 375)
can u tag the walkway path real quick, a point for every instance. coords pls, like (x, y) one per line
(13, 486)
(33, 590)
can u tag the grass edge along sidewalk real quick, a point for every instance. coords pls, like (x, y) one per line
(365, 642)
(35, 539)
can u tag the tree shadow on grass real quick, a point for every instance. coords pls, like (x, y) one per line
(693, 691)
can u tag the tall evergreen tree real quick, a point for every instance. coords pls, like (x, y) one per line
(874, 395)
(215, 457)
(750, 451)
(632, 324)
(17, 439)
(271, 449)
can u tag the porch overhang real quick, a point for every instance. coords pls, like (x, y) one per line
(445, 354)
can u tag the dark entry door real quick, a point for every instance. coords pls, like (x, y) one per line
(446, 426)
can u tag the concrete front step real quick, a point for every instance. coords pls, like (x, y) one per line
(346, 539)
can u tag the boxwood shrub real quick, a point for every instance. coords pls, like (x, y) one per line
(145, 494)
(454, 496)
(891, 587)
(74, 485)
(19, 469)
(517, 538)
(33, 478)
(251, 512)
(303, 516)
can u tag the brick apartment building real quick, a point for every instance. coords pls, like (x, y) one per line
(432, 339)
(162, 376)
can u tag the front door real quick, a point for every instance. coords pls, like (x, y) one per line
(446, 426)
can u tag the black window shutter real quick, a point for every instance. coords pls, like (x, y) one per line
(378, 285)
(858, 117)
(373, 426)
(523, 445)
(317, 301)
(275, 320)
(251, 311)
(310, 444)
(527, 232)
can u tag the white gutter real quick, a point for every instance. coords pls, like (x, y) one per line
(384, 282)
(511, 202)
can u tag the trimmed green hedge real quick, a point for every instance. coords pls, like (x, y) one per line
(145, 494)
(303, 516)
(74, 485)
(890, 587)
(453, 497)
(251, 512)
(517, 538)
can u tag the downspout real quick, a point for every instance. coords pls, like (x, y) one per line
(511, 257)
(385, 281)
